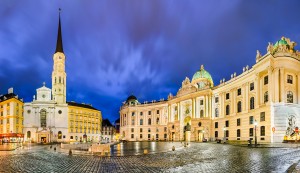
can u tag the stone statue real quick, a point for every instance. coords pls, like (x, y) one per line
(188, 127)
(270, 48)
(258, 55)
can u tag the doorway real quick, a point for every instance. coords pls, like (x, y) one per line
(43, 140)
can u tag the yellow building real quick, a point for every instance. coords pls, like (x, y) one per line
(84, 122)
(262, 104)
(11, 119)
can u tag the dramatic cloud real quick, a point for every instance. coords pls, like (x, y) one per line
(115, 48)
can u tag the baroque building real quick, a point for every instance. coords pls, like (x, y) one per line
(50, 118)
(11, 117)
(263, 101)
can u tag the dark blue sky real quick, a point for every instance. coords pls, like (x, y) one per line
(145, 47)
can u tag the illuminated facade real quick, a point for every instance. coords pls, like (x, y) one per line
(264, 99)
(50, 118)
(11, 119)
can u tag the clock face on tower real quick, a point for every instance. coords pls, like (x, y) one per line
(44, 96)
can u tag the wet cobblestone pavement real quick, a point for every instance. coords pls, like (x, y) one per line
(198, 157)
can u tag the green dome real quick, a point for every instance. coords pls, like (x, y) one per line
(202, 74)
(282, 41)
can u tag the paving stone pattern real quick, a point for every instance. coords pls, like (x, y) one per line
(198, 157)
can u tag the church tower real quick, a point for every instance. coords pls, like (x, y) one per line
(59, 76)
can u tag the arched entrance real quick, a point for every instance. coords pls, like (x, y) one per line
(187, 128)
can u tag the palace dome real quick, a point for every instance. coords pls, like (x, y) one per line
(202, 74)
(282, 41)
(131, 97)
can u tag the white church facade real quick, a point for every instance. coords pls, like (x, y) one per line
(50, 118)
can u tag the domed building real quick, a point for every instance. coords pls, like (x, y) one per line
(260, 104)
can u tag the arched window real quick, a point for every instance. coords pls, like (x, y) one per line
(59, 81)
(28, 134)
(149, 121)
(201, 114)
(252, 103)
(59, 135)
(141, 121)
(43, 118)
(262, 131)
(227, 109)
(289, 97)
(157, 120)
(239, 106)
(55, 80)
(216, 112)
(266, 97)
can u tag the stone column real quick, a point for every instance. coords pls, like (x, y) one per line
(222, 106)
(244, 97)
(193, 107)
(206, 106)
(282, 80)
(169, 113)
(276, 85)
(257, 89)
(233, 95)
(247, 96)
(270, 85)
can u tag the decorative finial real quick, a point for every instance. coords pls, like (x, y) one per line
(44, 83)
(282, 38)
(202, 67)
(59, 9)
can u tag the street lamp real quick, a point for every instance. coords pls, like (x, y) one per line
(255, 137)
(224, 129)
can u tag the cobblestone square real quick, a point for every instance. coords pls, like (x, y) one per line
(197, 157)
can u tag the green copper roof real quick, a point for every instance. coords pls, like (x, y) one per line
(202, 74)
(281, 42)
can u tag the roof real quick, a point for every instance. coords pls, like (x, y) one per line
(106, 122)
(131, 97)
(81, 105)
(202, 74)
(59, 44)
(8, 96)
(117, 121)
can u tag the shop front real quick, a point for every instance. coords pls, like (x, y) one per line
(11, 138)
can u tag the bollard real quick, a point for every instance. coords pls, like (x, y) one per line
(50, 146)
(145, 151)
(173, 148)
(70, 152)
(54, 148)
(184, 145)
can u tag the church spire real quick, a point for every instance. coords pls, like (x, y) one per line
(59, 45)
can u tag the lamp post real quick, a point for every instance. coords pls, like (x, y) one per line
(224, 129)
(255, 137)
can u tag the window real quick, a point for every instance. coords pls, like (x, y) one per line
(266, 80)
(165, 136)
(216, 112)
(141, 121)
(157, 136)
(141, 136)
(157, 112)
(239, 106)
(289, 97)
(157, 120)
(262, 116)
(149, 121)
(251, 86)
(227, 123)
(262, 131)
(132, 122)
(149, 112)
(252, 103)
(201, 102)
(238, 122)
(43, 118)
(132, 136)
(149, 136)
(216, 125)
(216, 134)
(141, 113)
(165, 129)
(266, 97)
(227, 109)
(251, 120)
(227, 133)
(227, 96)
(149, 130)
(132, 113)
(239, 91)
(238, 133)
(251, 132)
(59, 134)
(290, 79)
(201, 113)
(28, 134)
(132, 129)
(217, 100)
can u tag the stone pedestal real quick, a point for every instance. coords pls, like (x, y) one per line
(188, 136)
